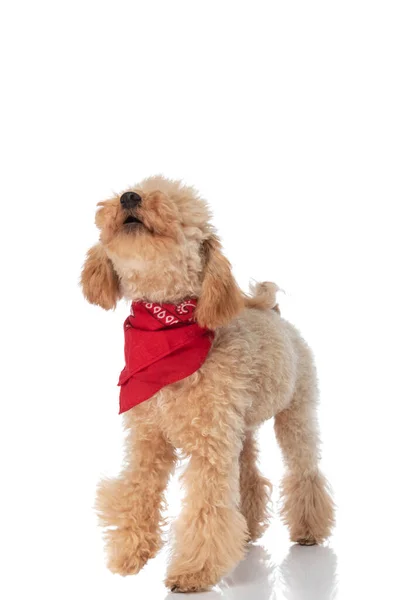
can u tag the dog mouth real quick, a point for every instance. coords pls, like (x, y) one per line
(131, 220)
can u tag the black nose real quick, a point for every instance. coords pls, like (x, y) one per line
(130, 199)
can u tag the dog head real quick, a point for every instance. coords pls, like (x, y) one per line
(157, 244)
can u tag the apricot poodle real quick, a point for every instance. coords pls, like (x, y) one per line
(157, 248)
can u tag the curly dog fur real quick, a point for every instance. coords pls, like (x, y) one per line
(259, 367)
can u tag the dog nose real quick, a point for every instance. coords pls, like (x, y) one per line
(130, 199)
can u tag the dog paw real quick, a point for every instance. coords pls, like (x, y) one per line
(306, 541)
(190, 582)
(126, 556)
(126, 565)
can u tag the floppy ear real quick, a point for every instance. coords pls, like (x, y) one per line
(100, 283)
(221, 298)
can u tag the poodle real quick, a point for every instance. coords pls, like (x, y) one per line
(234, 362)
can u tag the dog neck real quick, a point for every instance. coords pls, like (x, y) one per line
(156, 280)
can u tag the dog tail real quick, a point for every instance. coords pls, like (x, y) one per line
(263, 296)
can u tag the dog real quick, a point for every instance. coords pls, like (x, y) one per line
(158, 249)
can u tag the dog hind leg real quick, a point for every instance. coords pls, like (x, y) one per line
(255, 490)
(307, 505)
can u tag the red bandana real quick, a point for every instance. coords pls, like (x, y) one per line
(163, 345)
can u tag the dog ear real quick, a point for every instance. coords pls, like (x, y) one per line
(100, 283)
(221, 298)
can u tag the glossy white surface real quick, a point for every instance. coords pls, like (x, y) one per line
(285, 115)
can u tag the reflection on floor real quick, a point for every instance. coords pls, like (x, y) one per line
(306, 573)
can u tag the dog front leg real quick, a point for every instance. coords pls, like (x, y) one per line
(211, 532)
(130, 505)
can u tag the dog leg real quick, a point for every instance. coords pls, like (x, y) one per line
(130, 505)
(307, 505)
(211, 532)
(255, 490)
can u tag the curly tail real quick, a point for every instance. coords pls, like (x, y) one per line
(263, 296)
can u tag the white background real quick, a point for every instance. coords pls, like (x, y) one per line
(286, 116)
